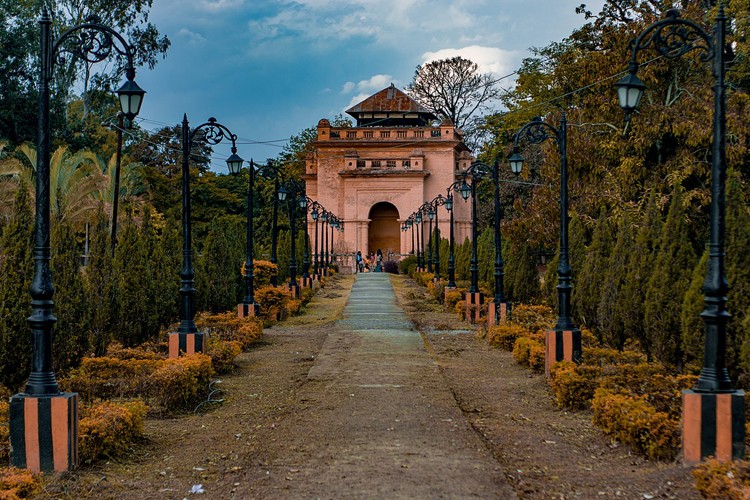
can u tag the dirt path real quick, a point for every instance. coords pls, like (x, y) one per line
(324, 408)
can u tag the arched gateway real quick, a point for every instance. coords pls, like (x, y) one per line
(384, 231)
(374, 174)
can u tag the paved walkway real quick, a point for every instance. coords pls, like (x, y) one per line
(401, 432)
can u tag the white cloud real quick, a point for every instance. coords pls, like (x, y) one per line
(348, 87)
(356, 100)
(375, 82)
(490, 59)
(193, 39)
(220, 5)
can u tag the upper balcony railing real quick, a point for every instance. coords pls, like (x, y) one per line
(389, 134)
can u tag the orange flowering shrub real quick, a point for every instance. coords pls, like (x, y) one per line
(262, 272)
(631, 420)
(108, 429)
(727, 480)
(116, 350)
(176, 383)
(223, 353)
(573, 385)
(533, 318)
(504, 336)
(306, 294)
(19, 483)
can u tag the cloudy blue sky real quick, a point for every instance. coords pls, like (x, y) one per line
(269, 68)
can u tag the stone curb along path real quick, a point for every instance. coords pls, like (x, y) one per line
(399, 431)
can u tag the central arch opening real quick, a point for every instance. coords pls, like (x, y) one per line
(384, 231)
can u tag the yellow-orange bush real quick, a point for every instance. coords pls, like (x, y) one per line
(272, 302)
(529, 352)
(453, 297)
(108, 378)
(230, 327)
(631, 420)
(293, 306)
(177, 381)
(4, 432)
(605, 356)
(18, 483)
(223, 354)
(108, 429)
(532, 317)
(573, 385)
(263, 270)
(725, 480)
(423, 278)
(504, 336)
(116, 350)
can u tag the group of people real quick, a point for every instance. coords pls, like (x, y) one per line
(371, 263)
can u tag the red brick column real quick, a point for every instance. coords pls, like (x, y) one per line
(248, 310)
(44, 436)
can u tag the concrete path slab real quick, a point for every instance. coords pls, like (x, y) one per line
(402, 433)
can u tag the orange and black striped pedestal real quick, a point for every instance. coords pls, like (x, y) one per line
(44, 432)
(713, 424)
(562, 345)
(307, 282)
(497, 315)
(474, 303)
(248, 310)
(186, 343)
(293, 290)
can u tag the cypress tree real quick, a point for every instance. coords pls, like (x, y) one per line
(692, 326)
(71, 338)
(738, 275)
(17, 270)
(610, 312)
(99, 286)
(463, 260)
(165, 267)
(640, 268)
(549, 290)
(667, 285)
(133, 290)
(524, 275)
(486, 258)
(576, 258)
(219, 271)
(592, 273)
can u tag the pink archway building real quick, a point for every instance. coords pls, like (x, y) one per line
(375, 174)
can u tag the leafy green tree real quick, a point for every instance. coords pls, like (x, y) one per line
(463, 260)
(71, 335)
(166, 257)
(668, 283)
(486, 258)
(17, 269)
(610, 313)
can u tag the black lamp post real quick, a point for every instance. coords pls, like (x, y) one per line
(304, 203)
(536, 132)
(673, 37)
(249, 307)
(92, 42)
(429, 211)
(410, 225)
(438, 201)
(467, 190)
(271, 170)
(293, 191)
(451, 244)
(315, 210)
(213, 134)
(420, 239)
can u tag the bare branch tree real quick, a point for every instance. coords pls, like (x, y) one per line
(453, 88)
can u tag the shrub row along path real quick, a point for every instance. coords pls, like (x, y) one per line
(367, 395)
